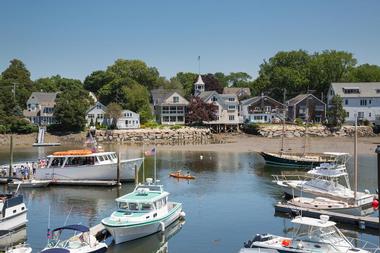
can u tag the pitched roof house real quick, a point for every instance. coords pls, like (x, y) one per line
(40, 108)
(169, 106)
(261, 109)
(306, 107)
(96, 114)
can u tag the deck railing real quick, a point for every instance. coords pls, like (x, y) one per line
(362, 244)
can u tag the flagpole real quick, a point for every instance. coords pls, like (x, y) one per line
(155, 161)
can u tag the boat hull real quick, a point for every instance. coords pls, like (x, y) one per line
(14, 222)
(128, 233)
(287, 162)
(93, 172)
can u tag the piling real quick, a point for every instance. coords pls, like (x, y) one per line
(136, 175)
(118, 169)
(10, 172)
(378, 174)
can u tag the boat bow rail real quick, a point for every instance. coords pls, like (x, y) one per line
(363, 244)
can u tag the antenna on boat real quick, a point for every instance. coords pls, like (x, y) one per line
(67, 217)
(143, 164)
(48, 228)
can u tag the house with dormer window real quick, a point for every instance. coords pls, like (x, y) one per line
(360, 99)
(40, 108)
(128, 120)
(96, 115)
(169, 106)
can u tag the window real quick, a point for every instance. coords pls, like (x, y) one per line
(179, 109)
(377, 91)
(175, 99)
(351, 90)
(363, 102)
(180, 118)
(172, 118)
(100, 116)
(268, 108)
(346, 101)
(214, 99)
(165, 109)
(231, 99)
(369, 101)
(360, 115)
(231, 117)
(231, 107)
(128, 114)
(98, 106)
(369, 115)
(165, 119)
(91, 116)
(347, 114)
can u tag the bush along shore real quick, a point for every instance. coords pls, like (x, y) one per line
(184, 135)
(290, 131)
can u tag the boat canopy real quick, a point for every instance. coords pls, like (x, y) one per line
(313, 222)
(327, 172)
(62, 154)
(75, 227)
(144, 194)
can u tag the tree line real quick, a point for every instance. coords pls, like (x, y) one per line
(128, 84)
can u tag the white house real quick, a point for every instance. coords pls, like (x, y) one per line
(128, 120)
(96, 114)
(362, 99)
(40, 108)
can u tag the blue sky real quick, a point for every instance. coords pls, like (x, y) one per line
(74, 38)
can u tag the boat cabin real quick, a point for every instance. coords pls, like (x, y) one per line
(145, 198)
(69, 159)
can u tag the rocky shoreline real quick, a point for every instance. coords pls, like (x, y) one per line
(184, 135)
(291, 131)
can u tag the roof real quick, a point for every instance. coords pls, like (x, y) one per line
(301, 97)
(103, 107)
(75, 227)
(44, 97)
(200, 80)
(256, 99)
(159, 95)
(222, 98)
(141, 196)
(313, 222)
(236, 91)
(366, 89)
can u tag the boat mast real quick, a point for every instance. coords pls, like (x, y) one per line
(283, 124)
(356, 158)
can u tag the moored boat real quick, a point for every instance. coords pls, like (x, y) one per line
(142, 212)
(311, 235)
(13, 211)
(83, 242)
(29, 183)
(298, 160)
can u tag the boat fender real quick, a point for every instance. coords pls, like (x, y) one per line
(286, 243)
(182, 214)
(162, 226)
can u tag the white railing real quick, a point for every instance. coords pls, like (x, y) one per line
(365, 245)
(292, 177)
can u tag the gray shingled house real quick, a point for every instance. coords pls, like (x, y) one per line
(306, 107)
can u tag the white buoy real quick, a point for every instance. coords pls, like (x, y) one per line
(162, 226)
(201, 157)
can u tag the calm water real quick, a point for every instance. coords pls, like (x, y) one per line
(231, 199)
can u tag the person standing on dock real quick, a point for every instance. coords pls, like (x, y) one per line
(34, 168)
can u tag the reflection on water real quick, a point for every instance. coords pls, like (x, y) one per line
(230, 200)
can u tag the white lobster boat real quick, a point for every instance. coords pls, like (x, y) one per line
(142, 212)
(12, 212)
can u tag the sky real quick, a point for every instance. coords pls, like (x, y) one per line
(73, 38)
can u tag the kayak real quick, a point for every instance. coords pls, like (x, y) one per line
(176, 175)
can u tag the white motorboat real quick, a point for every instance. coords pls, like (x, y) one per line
(324, 181)
(84, 242)
(326, 204)
(142, 212)
(21, 248)
(311, 235)
(12, 211)
(29, 183)
(80, 165)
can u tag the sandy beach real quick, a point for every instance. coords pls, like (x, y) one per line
(249, 143)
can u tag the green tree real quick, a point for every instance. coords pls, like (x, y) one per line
(364, 73)
(97, 79)
(70, 110)
(113, 113)
(57, 83)
(336, 114)
(239, 79)
(187, 80)
(137, 100)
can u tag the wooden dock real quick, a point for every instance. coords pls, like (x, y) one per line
(360, 221)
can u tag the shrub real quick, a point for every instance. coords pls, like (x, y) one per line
(366, 122)
(251, 128)
(22, 126)
(3, 129)
(298, 121)
(150, 124)
(175, 127)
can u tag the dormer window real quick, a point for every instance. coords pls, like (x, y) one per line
(231, 99)
(351, 90)
(175, 99)
(214, 99)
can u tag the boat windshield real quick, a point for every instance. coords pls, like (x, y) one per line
(124, 206)
(327, 235)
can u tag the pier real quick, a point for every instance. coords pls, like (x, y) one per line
(360, 221)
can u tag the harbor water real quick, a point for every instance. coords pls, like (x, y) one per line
(230, 200)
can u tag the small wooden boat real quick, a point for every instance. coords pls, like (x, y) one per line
(178, 174)
(30, 183)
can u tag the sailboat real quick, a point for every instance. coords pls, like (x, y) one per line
(292, 159)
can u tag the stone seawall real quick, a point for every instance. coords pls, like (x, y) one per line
(185, 135)
(316, 131)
